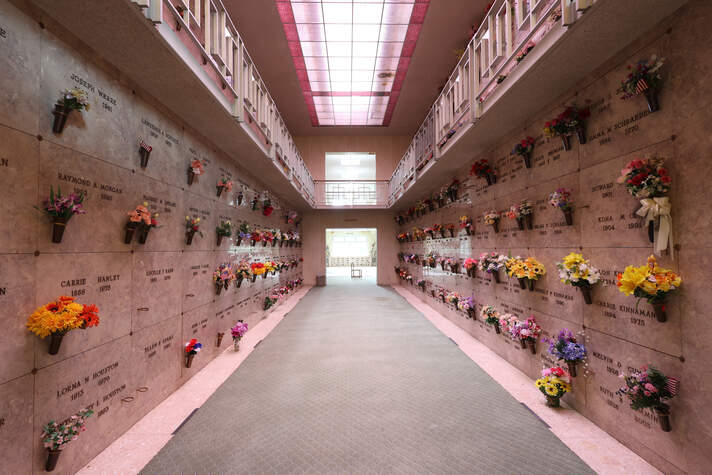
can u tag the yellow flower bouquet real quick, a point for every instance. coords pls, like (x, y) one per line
(649, 282)
(552, 385)
(57, 318)
(526, 270)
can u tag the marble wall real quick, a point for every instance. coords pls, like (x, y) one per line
(152, 297)
(605, 229)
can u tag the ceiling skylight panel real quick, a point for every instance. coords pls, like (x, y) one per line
(351, 50)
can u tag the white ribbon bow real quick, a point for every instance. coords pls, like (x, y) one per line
(652, 208)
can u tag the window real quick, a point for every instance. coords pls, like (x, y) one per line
(350, 179)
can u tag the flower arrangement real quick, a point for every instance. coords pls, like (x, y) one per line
(512, 264)
(467, 305)
(644, 78)
(140, 218)
(192, 226)
(452, 297)
(507, 321)
(267, 207)
(650, 282)
(430, 257)
(553, 385)
(576, 271)
(470, 266)
(238, 331)
(60, 210)
(224, 229)
(528, 271)
(648, 387)
(441, 293)
(69, 100)
(645, 178)
(466, 224)
(196, 168)
(565, 347)
(491, 317)
(527, 332)
(421, 283)
(270, 300)
(452, 189)
(439, 229)
(649, 180)
(524, 148)
(451, 229)
(242, 272)
(192, 348)
(223, 184)
(491, 218)
(482, 169)
(268, 238)
(571, 120)
(561, 199)
(243, 232)
(270, 266)
(257, 268)
(492, 263)
(56, 435)
(56, 318)
(222, 276)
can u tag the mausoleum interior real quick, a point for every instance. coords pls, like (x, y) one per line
(355, 237)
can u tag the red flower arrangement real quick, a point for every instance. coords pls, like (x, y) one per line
(482, 169)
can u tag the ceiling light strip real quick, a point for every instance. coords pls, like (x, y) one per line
(284, 7)
(417, 17)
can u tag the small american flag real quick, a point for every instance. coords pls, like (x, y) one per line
(673, 386)
(641, 86)
(143, 145)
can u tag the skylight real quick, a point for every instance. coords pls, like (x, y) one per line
(351, 56)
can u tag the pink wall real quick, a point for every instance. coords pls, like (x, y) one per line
(388, 150)
(314, 228)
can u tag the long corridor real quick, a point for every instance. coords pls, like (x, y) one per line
(355, 380)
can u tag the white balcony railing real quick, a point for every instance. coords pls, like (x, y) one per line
(509, 27)
(351, 194)
(213, 40)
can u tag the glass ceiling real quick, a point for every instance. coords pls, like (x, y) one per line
(351, 56)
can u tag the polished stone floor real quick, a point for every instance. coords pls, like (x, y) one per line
(355, 380)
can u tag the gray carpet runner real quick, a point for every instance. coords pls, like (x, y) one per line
(355, 380)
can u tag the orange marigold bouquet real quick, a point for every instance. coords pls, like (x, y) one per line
(56, 318)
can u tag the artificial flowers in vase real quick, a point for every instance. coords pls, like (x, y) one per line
(56, 435)
(553, 385)
(60, 210)
(576, 271)
(482, 169)
(491, 218)
(649, 181)
(57, 318)
(565, 347)
(650, 282)
(70, 100)
(238, 331)
(223, 230)
(524, 149)
(491, 317)
(571, 120)
(192, 348)
(644, 79)
(223, 185)
(196, 168)
(648, 388)
(561, 199)
(192, 226)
